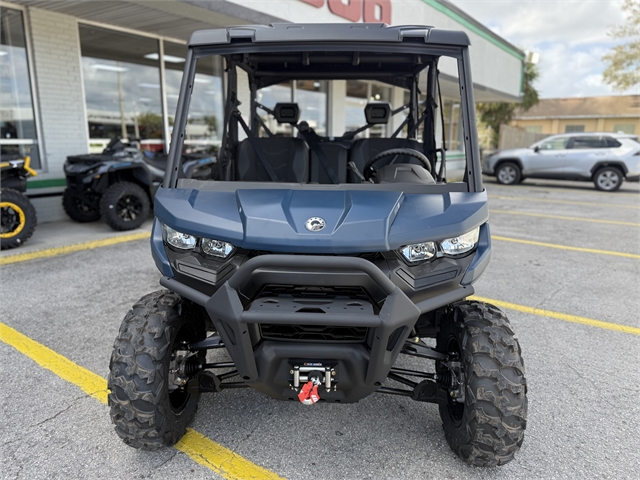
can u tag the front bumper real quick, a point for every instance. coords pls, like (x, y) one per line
(265, 363)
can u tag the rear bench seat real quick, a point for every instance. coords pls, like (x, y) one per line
(288, 156)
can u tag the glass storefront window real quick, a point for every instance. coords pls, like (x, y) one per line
(269, 96)
(204, 125)
(359, 93)
(311, 97)
(121, 76)
(17, 119)
(354, 106)
(452, 126)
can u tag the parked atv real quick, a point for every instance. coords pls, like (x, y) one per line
(119, 183)
(18, 215)
(320, 263)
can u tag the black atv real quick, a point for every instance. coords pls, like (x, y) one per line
(119, 183)
(18, 215)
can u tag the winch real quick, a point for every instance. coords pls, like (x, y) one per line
(309, 376)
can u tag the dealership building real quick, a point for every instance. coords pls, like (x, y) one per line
(75, 74)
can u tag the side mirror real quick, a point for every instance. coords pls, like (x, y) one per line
(536, 149)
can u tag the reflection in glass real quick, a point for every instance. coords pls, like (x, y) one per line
(204, 125)
(452, 130)
(311, 97)
(17, 120)
(204, 131)
(269, 96)
(355, 102)
(359, 93)
(122, 87)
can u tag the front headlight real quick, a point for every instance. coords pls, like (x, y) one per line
(462, 244)
(217, 248)
(418, 251)
(182, 241)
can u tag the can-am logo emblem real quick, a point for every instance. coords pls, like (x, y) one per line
(315, 224)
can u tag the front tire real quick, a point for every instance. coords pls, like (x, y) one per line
(19, 218)
(77, 208)
(608, 179)
(487, 428)
(125, 206)
(148, 410)
(508, 173)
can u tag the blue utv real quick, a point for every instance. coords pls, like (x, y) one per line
(321, 263)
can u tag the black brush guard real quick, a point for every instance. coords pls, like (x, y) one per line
(361, 368)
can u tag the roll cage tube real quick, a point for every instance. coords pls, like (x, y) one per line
(472, 175)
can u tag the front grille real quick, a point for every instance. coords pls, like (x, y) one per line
(295, 291)
(314, 333)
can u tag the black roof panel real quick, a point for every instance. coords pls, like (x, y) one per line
(327, 32)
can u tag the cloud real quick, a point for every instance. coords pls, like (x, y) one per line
(570, 35)
(566, 72)
(529, 22)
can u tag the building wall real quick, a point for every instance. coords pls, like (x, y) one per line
(552, 126)
(493, 64)
(56, 60)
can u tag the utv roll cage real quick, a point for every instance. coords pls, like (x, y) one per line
(273, 54)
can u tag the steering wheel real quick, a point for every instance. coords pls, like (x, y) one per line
(407, 152)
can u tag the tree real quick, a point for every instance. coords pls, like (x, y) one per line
(623, 61)
(495, 114)
(212, 124)
(150, 125)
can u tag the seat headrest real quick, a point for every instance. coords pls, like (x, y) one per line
(286, 113)
(377, 112)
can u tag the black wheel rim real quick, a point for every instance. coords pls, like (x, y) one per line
(10, 220)
(455, 408)
(83, 207)
(129, 207)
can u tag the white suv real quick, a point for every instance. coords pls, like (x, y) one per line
(604, 158)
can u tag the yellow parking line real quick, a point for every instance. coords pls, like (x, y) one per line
(564, 202)
(559, 316)
(565, 247)
(562, 217)
(220, 459)
(53, 252)
(89, 382)
(199, 448)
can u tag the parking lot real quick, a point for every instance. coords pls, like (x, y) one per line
(565, 267)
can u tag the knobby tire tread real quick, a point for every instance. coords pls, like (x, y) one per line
(492, 428)
(138, 397)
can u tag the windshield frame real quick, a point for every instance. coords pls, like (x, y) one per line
(472, 177)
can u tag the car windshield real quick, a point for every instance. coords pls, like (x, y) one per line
(337, 116)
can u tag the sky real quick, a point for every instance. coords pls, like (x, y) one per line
(570, 36)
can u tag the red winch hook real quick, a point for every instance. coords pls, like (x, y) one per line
(309, 393)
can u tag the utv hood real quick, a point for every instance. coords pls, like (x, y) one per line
(356, 221)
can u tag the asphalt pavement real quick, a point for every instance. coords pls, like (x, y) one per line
(584, 381)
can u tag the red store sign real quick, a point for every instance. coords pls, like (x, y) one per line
(375, 11)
